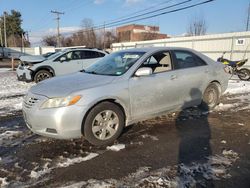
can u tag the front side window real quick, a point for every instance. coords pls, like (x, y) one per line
(159, 62)
(67, 56)
(115, 64)
(187, 60)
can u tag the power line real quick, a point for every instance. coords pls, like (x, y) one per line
(150, 12)
(148, 8)
(110, 25)
(163, 13)
(58, 26)
(148, 17)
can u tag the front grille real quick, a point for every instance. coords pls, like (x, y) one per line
(29, 102)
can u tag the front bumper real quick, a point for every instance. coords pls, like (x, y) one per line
(60, 123)
(24, 74)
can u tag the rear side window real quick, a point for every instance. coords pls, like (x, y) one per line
(186, 59)
(87, 54)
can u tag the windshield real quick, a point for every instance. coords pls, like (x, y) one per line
(56, 54)
(115, 64)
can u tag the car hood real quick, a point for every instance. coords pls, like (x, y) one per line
(64, 85)
(32, 58)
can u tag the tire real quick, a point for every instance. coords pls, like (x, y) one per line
(244, 74)
(101, 131)
(211, 97)
(42, 75)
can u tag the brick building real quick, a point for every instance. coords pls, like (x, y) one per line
(133, 32)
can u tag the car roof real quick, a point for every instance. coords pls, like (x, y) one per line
(152, 49)
(90, 49)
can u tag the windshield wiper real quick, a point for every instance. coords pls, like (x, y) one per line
(91, 72)
(82, 70)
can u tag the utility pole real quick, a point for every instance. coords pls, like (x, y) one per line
(1, 37)
(104, 37)
(4, 28)
(58, 26)
(27, 35)
(248, 17)
(23, 42)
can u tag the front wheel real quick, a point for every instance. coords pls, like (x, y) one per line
(211, 97)
(104, 123)
(244, 74)
(42, 75)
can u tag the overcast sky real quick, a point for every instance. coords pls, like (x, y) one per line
(220, 15)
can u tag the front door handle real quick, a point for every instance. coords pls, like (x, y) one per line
(173, 77)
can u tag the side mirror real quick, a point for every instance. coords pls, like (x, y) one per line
(145, 71)
(62, 59)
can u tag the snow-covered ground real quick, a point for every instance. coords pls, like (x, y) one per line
(11, 92)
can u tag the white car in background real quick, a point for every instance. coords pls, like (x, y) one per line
(38, 68)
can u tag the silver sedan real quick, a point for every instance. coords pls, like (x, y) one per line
(123, 88)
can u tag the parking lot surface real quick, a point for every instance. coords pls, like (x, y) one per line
(191, 148)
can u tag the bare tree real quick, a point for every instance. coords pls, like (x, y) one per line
(86, 36)
(197, 27)
(110, 38)
(49, 40)
(89, 34)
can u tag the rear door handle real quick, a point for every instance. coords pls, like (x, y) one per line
(173, 77)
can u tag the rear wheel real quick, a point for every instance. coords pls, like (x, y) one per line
(244, 74)
(42, 75)
(104, 123)
(210, 97)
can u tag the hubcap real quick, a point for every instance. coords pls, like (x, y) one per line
(42, 76)
(105, 124)
(211, 97)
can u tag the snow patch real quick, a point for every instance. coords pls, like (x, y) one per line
(223, 142)
(116, 147)
(38, 174)
(9, 135)
(225, 107)
(238, 87)
(4, 182)
(69, 162)
(193, 175)
(11, 92)
(150, 136)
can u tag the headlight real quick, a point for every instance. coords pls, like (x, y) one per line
(28, 66)
(60, 102)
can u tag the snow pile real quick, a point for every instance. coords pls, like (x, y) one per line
(116, 147)
(69, 162)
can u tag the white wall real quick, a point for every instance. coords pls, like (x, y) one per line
(211, 45)
(16, 52)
